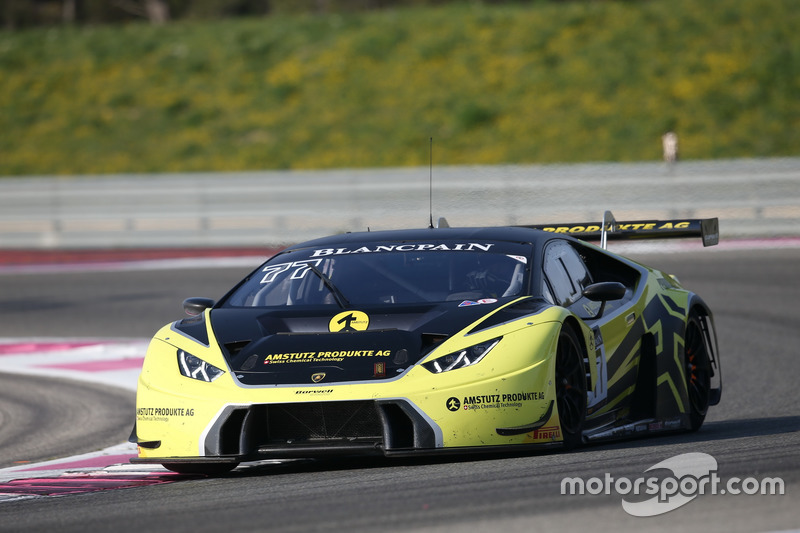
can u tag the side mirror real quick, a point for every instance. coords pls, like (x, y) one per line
(196, 306)
(605, 291)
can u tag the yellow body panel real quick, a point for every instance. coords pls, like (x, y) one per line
(513, 386)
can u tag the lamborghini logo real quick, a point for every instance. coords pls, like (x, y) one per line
(319, 376)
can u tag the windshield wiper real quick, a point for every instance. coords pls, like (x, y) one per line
(343, 302)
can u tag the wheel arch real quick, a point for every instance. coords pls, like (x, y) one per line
(583, 332)
(698, 305)
(571, 321)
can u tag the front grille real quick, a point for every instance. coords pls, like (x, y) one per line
(295, 429)
(323, 421)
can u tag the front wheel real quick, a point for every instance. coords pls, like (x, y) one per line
(570, 387)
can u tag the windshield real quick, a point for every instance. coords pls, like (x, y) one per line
(387, 273)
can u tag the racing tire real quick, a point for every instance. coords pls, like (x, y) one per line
(570, 375)
(206, 469)
(698, 371)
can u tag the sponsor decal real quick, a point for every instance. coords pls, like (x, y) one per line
(500, 401)
(335, 356)
(405, 247)
(513, 397)
(314, 391)
(598, 337)
(573, 229)
(349, 321)
(453, 404)
(300, 270)
(162, 414)
(319, 376)
(165, 411)
(379, 370)
(598, 396)
(638, 226)
(467, 303)
(548, 432)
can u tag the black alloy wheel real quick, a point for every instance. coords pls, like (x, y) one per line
(570, 387)
(698, 371)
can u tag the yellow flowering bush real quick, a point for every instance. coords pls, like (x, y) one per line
(515, 83)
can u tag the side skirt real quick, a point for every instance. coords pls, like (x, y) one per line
(638, 428)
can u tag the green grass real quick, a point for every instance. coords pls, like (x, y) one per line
(534, 83)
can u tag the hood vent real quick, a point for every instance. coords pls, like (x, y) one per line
(236, 346)
(431, 340)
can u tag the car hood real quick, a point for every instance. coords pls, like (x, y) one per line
(285, 346)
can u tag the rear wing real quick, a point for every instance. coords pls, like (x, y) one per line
(705, 228)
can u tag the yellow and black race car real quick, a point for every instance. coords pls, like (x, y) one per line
(432, 340)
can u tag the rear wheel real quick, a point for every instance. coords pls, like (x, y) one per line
(570, 387)
(207, 469)
(698, 371)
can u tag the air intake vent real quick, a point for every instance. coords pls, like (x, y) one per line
(324, 421)
(307, 429)
(235, 347)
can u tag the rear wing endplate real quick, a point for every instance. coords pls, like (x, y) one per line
(610, 229)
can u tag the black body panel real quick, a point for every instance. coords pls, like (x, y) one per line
(271, 347)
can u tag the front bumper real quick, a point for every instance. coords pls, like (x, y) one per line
(503, 401)
(357, 427)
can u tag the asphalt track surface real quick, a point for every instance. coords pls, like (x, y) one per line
(37, 426)
(754, 432)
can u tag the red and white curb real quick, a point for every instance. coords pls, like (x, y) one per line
(109, 361)
(103, 470)
(115, 362)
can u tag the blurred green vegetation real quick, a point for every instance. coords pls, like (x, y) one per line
(512, 83)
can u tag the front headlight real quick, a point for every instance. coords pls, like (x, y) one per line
(195, 368)
(464, 358)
